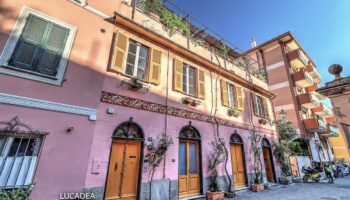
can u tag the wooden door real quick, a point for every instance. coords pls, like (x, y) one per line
(268, 164)
(189, 176)
(123, 172)
(238, 169)
(294, 166)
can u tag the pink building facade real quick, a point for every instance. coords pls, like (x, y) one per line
(69, 103)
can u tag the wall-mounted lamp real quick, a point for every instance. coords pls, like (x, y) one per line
(149, 142)
(69, 129)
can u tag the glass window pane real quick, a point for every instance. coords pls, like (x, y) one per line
(182, 159)
(184, 79)
(191, 90)
(132, 47)
(20, 145)
(193, 159)
(143, 52)
(129, 70)
(2, 144)
(23, 56)
(131, 59)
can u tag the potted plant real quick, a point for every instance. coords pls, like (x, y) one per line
(233, 112)
(136, 83)
(257, 185)
(216, 157)
(282, 150)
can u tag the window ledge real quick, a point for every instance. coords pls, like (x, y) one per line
(27, 74)
(30, 72)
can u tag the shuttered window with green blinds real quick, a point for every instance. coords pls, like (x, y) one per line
(40, 46)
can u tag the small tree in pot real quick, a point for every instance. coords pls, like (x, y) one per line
(216, 157)
(286, 133)
(257, 185)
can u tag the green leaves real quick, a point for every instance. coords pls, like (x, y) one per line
(170, 20)
(285, 130)
(14, 194)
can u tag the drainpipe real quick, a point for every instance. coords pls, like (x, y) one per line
(166, 106)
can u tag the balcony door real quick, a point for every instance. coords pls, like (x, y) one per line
(189, 163)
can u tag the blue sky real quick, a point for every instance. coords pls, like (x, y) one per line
(322, 27)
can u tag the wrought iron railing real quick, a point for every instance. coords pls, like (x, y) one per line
(202, 35)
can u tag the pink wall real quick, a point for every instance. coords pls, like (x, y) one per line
(64, 158)
(65, 164)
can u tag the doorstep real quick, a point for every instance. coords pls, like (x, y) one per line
(192, 197)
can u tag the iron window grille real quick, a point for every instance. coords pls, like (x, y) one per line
(20, 147)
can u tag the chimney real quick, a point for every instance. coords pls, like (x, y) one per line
(253, 43)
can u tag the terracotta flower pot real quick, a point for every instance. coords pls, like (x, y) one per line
(215, 195)
(258, 187)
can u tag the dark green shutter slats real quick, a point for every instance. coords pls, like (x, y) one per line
(40, 46)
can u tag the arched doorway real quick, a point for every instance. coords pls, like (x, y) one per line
(268, 160)
(189, 162)
(124, 164)
(238, 161)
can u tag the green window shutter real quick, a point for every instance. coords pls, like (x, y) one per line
(28, 45)
(40, 46)
(53, 47)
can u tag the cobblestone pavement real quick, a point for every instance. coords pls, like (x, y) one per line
(340, 190)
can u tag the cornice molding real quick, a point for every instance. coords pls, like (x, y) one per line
(47, 105)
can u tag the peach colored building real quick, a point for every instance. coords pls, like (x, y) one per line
(292, 76)
(86, 88)
(338, 91)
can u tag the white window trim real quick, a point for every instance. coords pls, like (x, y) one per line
(13, 39)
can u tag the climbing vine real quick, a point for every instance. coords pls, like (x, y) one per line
(216, 156)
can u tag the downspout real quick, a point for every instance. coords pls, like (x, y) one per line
(166, 118)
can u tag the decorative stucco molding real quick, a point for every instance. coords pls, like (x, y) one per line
(120, 100)
(47, 105)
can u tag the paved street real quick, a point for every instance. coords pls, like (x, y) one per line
(303, 191)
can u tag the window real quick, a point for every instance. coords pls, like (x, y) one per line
(18, 158)
(230, 93)
(37, 48)
(346, 132)
(137, 60)
(259, 106)
(188, 80)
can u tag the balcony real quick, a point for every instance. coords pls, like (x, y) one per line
(298, 59)
(323, 111)
(312, 88)
(315, 125)
(313, 72)
(302, 78)
(309, 100)
(331, 131)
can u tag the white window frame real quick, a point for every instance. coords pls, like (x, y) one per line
(230, 96)
(137, 56)
(11, 43)
(187, 81)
